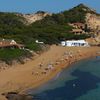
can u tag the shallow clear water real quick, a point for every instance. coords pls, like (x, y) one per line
(81, 81)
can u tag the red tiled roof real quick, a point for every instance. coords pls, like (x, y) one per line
(11, 45)
(6, 43)
(79, 24)
(77, 30)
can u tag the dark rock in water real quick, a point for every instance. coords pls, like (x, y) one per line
(16, 96)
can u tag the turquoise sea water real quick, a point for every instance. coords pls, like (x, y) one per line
(81, 81)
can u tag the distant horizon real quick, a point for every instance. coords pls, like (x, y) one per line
(51, 6)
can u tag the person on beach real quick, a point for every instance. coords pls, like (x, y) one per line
(57, 62)
(44, 72)
(71, 56)
(32, 72)
(40, 65)
(66, 58)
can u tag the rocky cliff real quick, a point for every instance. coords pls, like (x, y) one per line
(93, 21)
(30, 18)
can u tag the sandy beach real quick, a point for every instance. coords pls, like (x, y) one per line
(42, 68)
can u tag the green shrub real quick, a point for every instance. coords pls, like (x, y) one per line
(9, 55)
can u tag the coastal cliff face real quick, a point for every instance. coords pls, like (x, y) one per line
(30, 18)
(93, 21)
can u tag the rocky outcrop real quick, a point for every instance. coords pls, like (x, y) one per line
(30, 18)
(16, 96)
(93, 21)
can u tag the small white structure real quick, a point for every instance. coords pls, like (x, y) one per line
(77, 43)
(63, 43)
(39, 42)
(13, 42)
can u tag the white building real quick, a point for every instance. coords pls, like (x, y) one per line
(77, 43)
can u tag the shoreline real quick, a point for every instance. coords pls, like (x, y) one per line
(25, 93)
(64, 66)
(32, 81)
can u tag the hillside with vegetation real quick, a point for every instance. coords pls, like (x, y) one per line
(50, 30)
